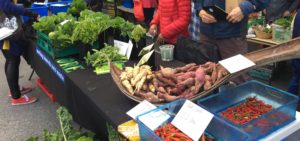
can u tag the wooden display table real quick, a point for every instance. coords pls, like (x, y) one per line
(268, 42)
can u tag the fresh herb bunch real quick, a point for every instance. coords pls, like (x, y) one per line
(285, 22)
(100, 57)
(66, 131)
(77, 6)
(137, 33)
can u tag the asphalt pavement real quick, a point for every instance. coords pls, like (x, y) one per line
(18, 123)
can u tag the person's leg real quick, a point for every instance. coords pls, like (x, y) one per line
(231, 47)
(294, 84)
(12, 73)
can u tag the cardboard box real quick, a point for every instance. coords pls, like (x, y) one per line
(231, 4)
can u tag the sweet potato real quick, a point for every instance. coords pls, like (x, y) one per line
(185, 68)
(127, 85)
(188, 82)
(168, 72)
(167, 97)
(207, 85)
(198, 86)
(200, 74)
(164, 80)
(208, 67)
(221, 72)
(185, 76)
(214, 74)
(149, 96)
(161, 89)
(208, 78)
(193, 68)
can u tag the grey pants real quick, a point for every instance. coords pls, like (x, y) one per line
(230, 47)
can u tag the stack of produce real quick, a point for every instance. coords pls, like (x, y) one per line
(245, 112)
(170, 84)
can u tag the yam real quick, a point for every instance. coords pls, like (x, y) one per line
(168, 82)
(185, 68)
(185, 76)
(167, 97)
(167, 72)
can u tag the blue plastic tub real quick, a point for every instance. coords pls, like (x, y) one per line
(284, 110)
(56, 8)
(146, 134)
(42, 10)
(128, 3)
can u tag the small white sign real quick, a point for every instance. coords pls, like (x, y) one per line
(192, 120)
(154, 119)
(236, 63)
(6, 32)
(123, 47)
(129, 50)
(141, 108)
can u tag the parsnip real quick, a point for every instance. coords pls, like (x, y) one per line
(127, 85)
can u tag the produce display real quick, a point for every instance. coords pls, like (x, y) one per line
(246, 111)
(169, 132)
(69, 64)
(100, 57)
(77, 6)
(169, 84)
(285, 22)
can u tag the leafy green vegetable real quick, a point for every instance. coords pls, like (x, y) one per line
(113, 135)
(284, 22)
(137, 33)
(48, 24)
(66, 132)
(62, 36)
(100, 57)
(77, 6)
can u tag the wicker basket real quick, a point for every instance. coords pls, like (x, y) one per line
(260, 34)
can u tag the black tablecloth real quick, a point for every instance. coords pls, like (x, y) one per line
(92, 99)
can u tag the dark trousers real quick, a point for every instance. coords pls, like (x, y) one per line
(12, 73)
(148, 14)
(227, 48)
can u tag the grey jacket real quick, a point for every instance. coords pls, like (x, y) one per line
(276, 8)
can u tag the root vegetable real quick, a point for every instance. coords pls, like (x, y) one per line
(221, 72)
(164, 80)
(167, 72)
(123, 76)
(185, 76)
(140, 84)
(149, 77)
(207, 85)
(200, 74)
(151, 88)
(136, 70)
(145, 87)
(138, 77)
(149, 96)
(167, 97)
(161, 89)
(185, 68)
(127, 85)
(187, 82)
(198, 86)
(129, 72)
(208, 78)
(194, 68)
(214, 74)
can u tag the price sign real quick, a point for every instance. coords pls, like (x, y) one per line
(236, 63)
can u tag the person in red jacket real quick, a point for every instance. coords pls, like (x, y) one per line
(172, 18)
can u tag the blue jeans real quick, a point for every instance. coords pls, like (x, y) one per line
(294, 84)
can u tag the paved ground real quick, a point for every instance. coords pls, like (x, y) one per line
(17, 123)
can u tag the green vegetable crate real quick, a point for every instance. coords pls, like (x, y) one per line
(45, 43)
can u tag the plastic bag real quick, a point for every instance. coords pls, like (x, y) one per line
(138, 10)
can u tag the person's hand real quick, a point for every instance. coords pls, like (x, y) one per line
(207, 18)
(153, 30)
(236, 15)
(286, 13)
(160, 38)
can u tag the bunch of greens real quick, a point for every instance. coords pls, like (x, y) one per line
(77, 6)
(90, 26)
(284, 22)
(61, 37)
(66, 132)
(137, 33)
(48, 24)
(100, 57)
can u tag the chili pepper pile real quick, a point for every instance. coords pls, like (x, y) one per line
(169, 132)
(246, 111)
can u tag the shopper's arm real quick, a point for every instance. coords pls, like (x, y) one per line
(8, 7)
(182, 21)
(250, 6)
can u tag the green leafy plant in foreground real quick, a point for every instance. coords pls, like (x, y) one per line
(66, 131)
